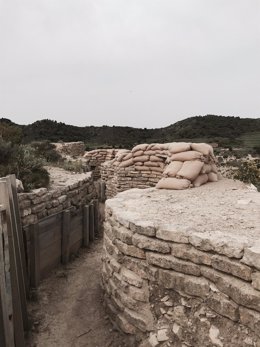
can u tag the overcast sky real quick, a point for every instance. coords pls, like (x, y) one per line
(142, 63)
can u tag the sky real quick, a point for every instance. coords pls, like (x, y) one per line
(141, 63)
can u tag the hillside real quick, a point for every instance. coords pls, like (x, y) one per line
(227, 131)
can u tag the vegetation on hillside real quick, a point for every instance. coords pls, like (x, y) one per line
(227, 131)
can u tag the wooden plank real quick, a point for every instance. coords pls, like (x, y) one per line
(86, 226)
(21, 248)
(65, 239)
(34, 255)
(17, 307)
(91, 222)
(96, 217)
(6, 324)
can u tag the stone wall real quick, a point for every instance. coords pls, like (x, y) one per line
(119, 179)
(182, 268)
(97, 157)
(72, 149)
(42, 202)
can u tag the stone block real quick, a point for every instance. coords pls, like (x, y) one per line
(172, 232)
(250, 318)
(131, 277)
(123, 234)
(143, 227)
(30, 219)
(143, 320)
(233, 267)
(140, 267)
(238, 290)
(256, 280)
(61, 199)
(191, 285)
(214, 241)
(139, 294)
(145, 242)
(170, 262)
(188, 252)
(252, 256)
(38, 208)
(124, 325)
(129, 249)
(111, 249)
(223, 306)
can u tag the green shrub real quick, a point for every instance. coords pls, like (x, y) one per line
(46, 150)
(249, 172)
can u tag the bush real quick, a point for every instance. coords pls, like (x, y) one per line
(46, 150)
(25, 163)
(249, 172)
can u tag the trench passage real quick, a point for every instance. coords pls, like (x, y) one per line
(68, 310)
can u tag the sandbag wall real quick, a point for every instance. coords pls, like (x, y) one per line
(170, 166)
(97, 157)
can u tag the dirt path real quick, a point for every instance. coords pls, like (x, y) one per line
(69, 311)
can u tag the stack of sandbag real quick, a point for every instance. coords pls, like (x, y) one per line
(146, 158)
(189, 165)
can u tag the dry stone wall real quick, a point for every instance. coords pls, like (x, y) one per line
(97, 157)
(176, 278)
(42, 202)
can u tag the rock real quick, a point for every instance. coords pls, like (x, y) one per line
(256, 280)
(19, 186)
(162, 335)
(214, 336)
(252, 256)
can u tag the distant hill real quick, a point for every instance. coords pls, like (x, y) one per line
(227, 131)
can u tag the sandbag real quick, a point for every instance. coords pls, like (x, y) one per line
(206, 168)
(201, 179)
(190, 169)
(141, 158)
(155, 158)
(139, 163)
(173, 183)
(155, 146)
(138, 153)
(184, 156)
(126, 163)
(162, 165)
(157, 169)
(213, 177)
(177, 147)
(214, 168)
(142, 168)
(172, 169)
(203, 148)
(151, 163)
(149, 152)
(141, 147)
(128, 156)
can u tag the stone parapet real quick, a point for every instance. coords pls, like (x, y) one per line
(42, 202)
(176, 273)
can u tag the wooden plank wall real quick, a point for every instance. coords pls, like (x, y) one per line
(54, 239)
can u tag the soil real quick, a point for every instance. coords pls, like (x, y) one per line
(68, 308)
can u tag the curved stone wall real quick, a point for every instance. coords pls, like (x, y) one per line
(182, 268)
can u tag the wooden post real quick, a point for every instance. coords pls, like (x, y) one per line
(96, 217)
(17, 299)
(102, 191)
(34, 255)
(85, 226)
(91, 222)
(21, 247)
(6, 323)
(65, 240)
